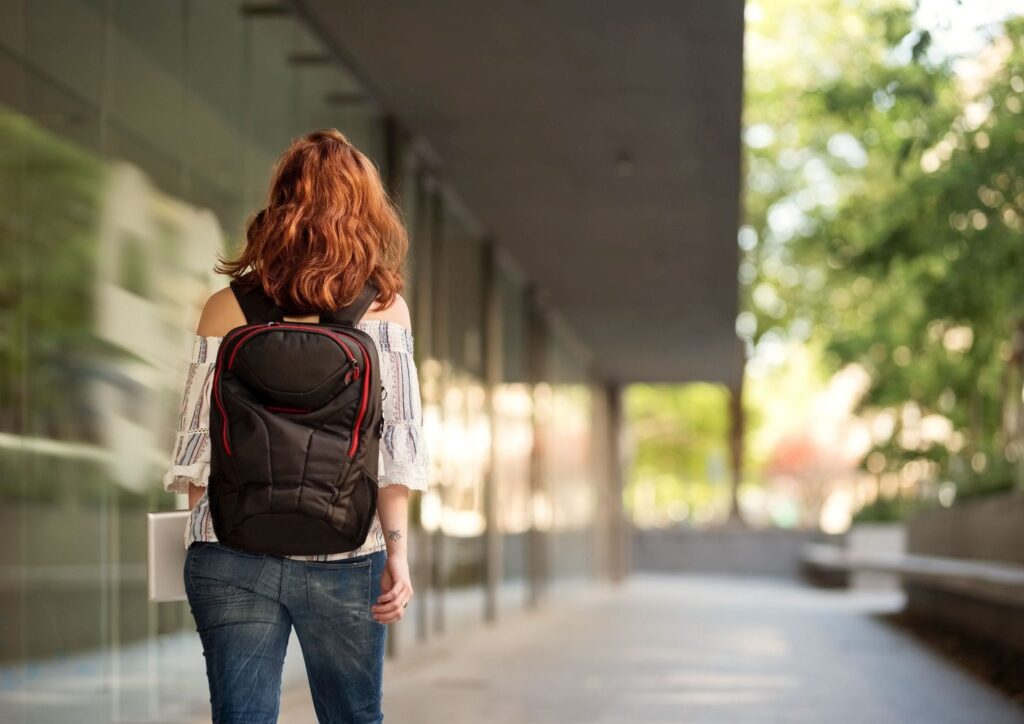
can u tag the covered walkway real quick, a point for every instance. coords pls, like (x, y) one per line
(682, 648)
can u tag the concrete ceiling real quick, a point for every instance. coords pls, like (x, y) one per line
(598, 142)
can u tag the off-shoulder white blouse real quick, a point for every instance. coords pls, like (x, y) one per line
(403, 454)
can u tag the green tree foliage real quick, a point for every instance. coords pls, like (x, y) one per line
(682, 444)
(885, 210)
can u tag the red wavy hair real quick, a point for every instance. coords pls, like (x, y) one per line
(329, 227)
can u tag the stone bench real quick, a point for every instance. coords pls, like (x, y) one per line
(980, 597)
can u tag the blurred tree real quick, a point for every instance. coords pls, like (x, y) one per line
(885, 205)
(682, 446)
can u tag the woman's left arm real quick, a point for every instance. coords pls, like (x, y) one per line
(396, 583)
(393, 507)
(404, 458)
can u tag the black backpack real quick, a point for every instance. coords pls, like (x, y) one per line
(295, 425)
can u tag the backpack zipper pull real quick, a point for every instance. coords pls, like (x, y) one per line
(353, 374)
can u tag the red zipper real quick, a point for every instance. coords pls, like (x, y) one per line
(220, 403)
(267, 328)
(362, 405)
(276, 408)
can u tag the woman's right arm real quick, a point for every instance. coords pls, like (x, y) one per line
(214, 321)
(190, 460)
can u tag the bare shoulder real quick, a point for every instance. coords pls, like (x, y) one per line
(221, 314)
(397, 311)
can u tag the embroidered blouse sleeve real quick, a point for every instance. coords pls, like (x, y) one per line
(190, 459)
(403, 452)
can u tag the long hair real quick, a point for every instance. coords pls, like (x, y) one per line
(329, 226)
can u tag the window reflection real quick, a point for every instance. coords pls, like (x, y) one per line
(137, 137)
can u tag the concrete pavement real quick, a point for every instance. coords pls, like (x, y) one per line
(685, 648)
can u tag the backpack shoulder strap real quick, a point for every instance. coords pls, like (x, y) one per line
(257, 306)
(351, 314)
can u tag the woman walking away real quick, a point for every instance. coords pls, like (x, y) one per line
(298, 441)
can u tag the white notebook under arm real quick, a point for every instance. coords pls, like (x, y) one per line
(165, 559)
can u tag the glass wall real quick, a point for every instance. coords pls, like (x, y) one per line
(136, 139)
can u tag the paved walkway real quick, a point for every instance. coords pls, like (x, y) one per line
(685, 649)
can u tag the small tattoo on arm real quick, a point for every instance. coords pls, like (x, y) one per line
(394, 535)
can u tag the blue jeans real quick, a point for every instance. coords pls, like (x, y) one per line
(245, 605)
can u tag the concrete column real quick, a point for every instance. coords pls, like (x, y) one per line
(395, 144)
(600, 457)
(619, 527)
(423, 322)
(392, 182)
(493, 368)
(537, 561)
(440, 351)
